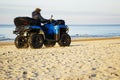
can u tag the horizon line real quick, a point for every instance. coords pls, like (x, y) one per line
(76, 24)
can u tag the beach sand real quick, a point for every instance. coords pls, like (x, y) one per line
(85, 59)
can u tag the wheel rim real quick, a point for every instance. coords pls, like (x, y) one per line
(20, 42)
(36, 41)
(65, 40)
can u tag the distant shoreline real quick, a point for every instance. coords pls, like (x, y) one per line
(94, 39)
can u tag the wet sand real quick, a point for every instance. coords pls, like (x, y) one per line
(85, 59)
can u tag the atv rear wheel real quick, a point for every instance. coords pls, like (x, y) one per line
(36, 41)
(21, 42)
(49, 43)
(65, 40)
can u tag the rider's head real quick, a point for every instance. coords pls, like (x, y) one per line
(38, 9)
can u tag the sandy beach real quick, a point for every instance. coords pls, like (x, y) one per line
(84, 59)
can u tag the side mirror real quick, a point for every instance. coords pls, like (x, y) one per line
(51, 16)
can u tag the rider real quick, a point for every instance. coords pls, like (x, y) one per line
(36, 15)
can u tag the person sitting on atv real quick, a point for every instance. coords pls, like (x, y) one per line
(37, 16)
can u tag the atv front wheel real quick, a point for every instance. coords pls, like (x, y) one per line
(65, 40)
(21, 42)
(36, 41)
(49, 43)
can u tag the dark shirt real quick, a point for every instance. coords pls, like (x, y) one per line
(37, 16)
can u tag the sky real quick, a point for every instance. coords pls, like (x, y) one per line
(72, 11)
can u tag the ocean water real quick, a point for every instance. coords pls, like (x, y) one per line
(6, 33)
(75, 31)
(94, 31)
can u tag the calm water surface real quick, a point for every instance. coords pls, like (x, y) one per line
(6, 31)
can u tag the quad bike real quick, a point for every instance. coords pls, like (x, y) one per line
(32, 33)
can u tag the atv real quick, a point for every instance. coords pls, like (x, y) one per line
(34, 34)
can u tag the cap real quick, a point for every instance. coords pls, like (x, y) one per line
(37, 9)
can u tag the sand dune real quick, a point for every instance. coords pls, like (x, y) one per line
(83, 60)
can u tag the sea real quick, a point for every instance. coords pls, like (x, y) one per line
(75, 31)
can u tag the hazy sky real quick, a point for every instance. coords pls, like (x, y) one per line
(72, 11)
